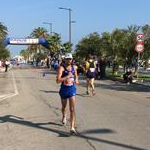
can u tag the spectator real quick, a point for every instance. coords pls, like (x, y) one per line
(6, 65)
(48, 62)
(56, 64)
(128, 76)
(102, 67)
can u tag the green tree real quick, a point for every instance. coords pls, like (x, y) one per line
(89, 45)
(145, 56)
(66, 47)
(37, 50)
(114, 46)
(54, 42)
(39, 33)
(105, 45)
(25, 54)
(117, 46)
(4, 53)
(3, 31)
(131, 42)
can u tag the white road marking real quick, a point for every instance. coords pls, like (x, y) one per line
(2, 97)
(15, 86)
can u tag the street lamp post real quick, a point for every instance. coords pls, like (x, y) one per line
(70, 21)
(50, 24)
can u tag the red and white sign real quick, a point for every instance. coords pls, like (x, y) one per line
(140, 38)
(139, 48)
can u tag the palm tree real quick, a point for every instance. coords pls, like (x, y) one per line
(3, 31)
(67, 47)
(38, 33)
(24, 53)
(54, 42)
(4, 53)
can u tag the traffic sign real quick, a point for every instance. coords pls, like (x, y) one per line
(139, 48)
(140, 38)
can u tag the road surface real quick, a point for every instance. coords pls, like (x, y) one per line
(116, 118)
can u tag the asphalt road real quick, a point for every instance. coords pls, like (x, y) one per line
(116, 118)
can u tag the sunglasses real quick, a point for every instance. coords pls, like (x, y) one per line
(68, 58)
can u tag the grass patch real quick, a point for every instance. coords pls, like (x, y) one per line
(120, 76)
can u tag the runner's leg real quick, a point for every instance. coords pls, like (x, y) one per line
(63, 110)
(87, 86)
(72, 111)
(93, 86)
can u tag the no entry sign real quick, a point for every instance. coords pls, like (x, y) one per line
(139, 48)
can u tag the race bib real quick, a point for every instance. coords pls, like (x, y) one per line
(69, 81)
(92, 69)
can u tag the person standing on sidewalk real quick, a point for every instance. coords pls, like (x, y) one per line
(67, 76)
(6, 65)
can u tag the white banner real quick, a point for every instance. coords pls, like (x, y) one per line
(23, 41)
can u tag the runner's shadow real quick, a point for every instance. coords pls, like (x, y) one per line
(51, 123)
(49, 91)
(83, 95)
(84, 135)
(98, 131)
(19, 120)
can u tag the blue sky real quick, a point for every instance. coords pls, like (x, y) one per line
(22, 16)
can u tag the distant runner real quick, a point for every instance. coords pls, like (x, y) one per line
(90, 74)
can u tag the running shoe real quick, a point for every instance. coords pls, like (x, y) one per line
(73, 131)
(93, 92)
(87, 92)
(64, 120)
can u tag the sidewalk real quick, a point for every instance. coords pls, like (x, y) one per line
(144, 82)
(135, 81)
(2, 69)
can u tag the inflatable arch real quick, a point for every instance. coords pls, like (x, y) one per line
(26, 41)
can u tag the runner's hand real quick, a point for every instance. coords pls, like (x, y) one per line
(76, 81)
(70, 75)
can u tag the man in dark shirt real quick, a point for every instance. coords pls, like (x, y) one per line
(128, 76)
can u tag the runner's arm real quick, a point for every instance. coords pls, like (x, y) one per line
(76, 74)
(59, 77)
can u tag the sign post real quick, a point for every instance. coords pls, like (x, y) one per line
(138, 67)
(139, 48)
